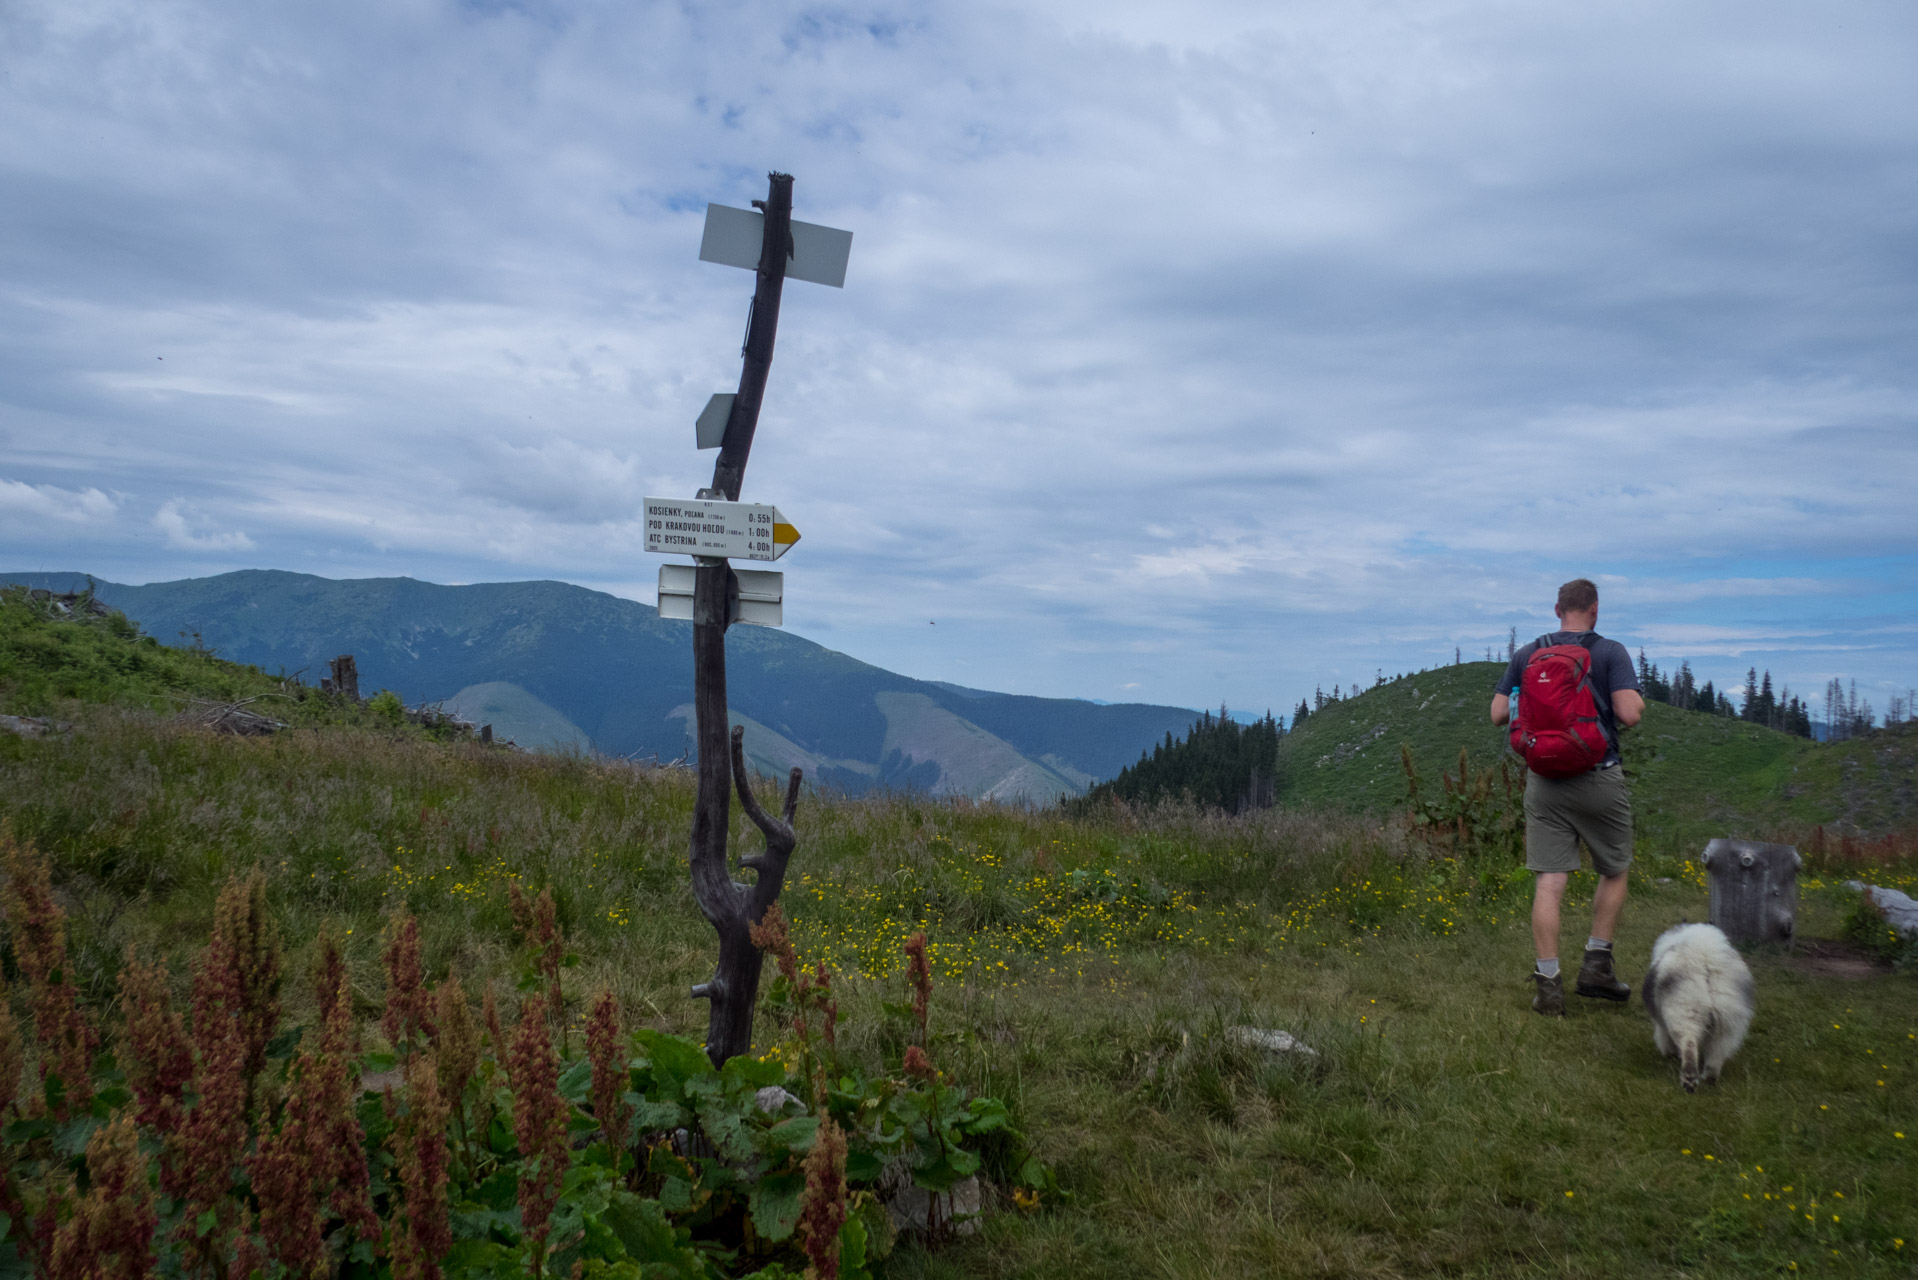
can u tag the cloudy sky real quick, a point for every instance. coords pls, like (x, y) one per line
(1189, 353)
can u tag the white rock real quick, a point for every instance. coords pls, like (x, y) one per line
(1901, 913)
(33, 726)
(959, 1210)
(1271, 1041)
(775, 1101)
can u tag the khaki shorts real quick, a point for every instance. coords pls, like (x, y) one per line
(1595, 807)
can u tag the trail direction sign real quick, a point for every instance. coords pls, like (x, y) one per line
(733, 238)
(710, 527)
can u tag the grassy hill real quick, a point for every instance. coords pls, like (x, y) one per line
(619, 675)
(1091, 970)
(55, 658)
(1693, 776)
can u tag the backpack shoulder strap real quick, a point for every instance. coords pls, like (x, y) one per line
(1590, 641)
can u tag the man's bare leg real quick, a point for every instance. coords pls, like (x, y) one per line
(1608, 903)
(1547, 894)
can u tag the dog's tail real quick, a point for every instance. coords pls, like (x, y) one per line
(1688, 1064)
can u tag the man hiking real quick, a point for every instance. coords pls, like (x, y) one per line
(1575, 690)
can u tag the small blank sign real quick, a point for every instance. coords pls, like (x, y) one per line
(760, 601)
(710, 430)
(762, 597)
(733, 238)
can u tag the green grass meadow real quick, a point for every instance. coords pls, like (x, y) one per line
(1089, 971)
(1693, 776)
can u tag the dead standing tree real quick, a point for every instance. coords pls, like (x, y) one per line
(730, 907)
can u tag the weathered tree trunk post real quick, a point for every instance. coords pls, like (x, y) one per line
(1754, 890)
(732, 908)
(345, 680)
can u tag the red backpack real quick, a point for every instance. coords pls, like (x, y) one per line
(1555, 713)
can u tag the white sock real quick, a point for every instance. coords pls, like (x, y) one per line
(1548, 968)
(1598, 944)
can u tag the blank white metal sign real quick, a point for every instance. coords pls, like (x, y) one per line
(733, 238)
(761, 594)
(710, 430)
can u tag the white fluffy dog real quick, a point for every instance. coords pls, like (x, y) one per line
(1699, 994)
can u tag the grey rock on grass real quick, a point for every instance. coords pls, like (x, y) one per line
(1901, 912)
(1272, 1041)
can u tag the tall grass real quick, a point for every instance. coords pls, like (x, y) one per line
(353, 825)
(1092, 967)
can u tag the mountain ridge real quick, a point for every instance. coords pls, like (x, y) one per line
(616, 670)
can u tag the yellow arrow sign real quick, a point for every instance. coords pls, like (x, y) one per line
(709, 527)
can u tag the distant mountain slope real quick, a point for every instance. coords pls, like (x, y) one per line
(517, 716)
(1693, 776)
(619, 673)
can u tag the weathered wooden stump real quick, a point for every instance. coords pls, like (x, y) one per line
(1754, 890)
(345, 679)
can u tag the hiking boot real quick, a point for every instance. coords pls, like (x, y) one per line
(1550, 997)
(1596, 979)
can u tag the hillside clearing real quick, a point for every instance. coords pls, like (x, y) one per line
(1089, 969)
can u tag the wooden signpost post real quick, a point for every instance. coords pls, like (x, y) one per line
(720, 526)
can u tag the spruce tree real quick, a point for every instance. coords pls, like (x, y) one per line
(1219, 763)
(1684, 687)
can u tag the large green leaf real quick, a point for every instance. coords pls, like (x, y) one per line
(747, 1072)
(475, 1259)
(852, 1250)
(775, 1203)
(678, 1196)
(724, 1119)
(986, 1115)
(794, 1135)
(73, 1135)
(650, 1116)
(21, 1132)
(501, 1191)
(576, 1081)
(952, 1166)
(675, 1060)
(863, 1166)
(649, 1238)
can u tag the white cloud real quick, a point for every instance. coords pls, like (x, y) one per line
(178, 521)
(20, 501)
(1206, 350)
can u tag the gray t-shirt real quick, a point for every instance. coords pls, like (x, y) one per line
(1612, 670)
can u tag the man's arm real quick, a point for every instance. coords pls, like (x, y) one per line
(1628, 701)
(1502, 709)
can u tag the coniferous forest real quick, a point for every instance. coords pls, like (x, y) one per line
(1220, 763)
